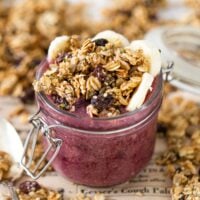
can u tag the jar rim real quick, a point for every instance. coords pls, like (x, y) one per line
(126, 114)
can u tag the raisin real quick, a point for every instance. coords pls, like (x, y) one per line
(102, 102)
(100, 42)
(29, 186)
(100, 73)
(61, 102)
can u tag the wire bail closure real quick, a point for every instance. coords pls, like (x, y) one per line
(54, 145)
(167, 71)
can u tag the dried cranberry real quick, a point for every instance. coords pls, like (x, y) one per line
(100, 73)
(100, 42)
(102, 102)
(62, 102)
(29, 186)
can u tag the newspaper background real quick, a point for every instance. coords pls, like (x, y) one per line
(150, 183)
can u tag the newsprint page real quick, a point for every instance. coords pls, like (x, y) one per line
(150, 184)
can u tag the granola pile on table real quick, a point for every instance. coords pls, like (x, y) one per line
(26, 29)
(179, 123)
(31, 190)
(133, 18)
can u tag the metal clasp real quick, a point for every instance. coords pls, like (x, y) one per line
(167, 71)
(30, 142)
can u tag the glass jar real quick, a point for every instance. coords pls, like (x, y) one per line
(98, 151)
(180, 44)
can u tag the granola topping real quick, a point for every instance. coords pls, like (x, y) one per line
(103, 74)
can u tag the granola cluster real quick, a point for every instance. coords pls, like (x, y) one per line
(26, 28)
(31, 190)
(179, 122)
(133, 18)
(5, 164)
(101, 74)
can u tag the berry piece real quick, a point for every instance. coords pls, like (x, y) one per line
(100, 42)
(102, 101)
(29, 186)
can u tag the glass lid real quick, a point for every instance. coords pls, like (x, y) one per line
(180, 45)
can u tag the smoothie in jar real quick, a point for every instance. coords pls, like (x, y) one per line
(104, 94)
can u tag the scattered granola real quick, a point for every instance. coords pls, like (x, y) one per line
(85, 197)
(26, 28)
(133, 18)
(105, 74)
(31, 190)
(179, 122)
(21, 113)
(5, 165)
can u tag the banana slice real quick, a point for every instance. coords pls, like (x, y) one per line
(59, 44)
(139, 96)
(151, 52)
(112, 37)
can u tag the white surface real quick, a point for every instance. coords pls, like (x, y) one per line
(11, 143)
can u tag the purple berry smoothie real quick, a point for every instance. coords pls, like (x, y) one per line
(103, 151)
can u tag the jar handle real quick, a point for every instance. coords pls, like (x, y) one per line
(167, 71)
(31, 140)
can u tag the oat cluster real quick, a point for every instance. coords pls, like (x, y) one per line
(103, 74)
(5, 164)
(179, 122)
(31, 190)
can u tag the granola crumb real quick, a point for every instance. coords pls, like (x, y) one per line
(82, 196)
